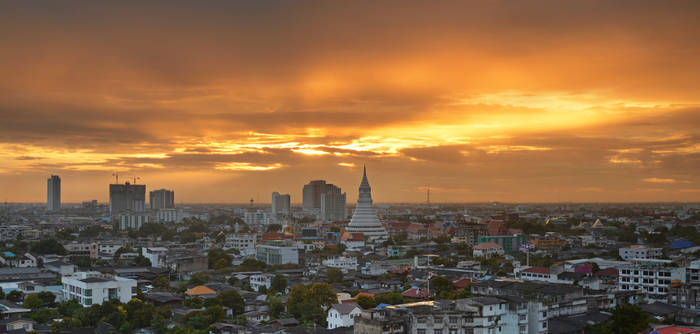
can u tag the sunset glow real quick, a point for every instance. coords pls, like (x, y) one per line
(576, 103)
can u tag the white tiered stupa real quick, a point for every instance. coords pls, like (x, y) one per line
(364, 219)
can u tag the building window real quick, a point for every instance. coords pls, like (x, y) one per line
(437, 331)
(420, 331)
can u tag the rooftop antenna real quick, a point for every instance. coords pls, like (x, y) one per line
(116, 178)
(136, 178)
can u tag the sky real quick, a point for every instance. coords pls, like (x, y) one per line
(223, 101)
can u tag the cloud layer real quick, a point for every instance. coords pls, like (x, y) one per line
(223, 101)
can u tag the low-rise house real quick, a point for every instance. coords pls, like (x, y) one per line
(343, 315)
(201, 291)
(343, 263)
(10, 310)
(487, 250)
(416, 293)
(257, 281)
(17, 325)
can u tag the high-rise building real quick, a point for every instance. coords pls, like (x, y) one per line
(281, 205)
(333, 205)
(127, 197)
(162, 199)
(53, 193)
(315, 197)
(364, 219)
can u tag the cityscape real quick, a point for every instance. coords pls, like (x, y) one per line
(396, 167)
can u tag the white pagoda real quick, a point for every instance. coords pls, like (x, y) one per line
(364, 219)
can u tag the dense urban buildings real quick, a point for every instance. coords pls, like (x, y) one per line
(53, 193)
(162, 199)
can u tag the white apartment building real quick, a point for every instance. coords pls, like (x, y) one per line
(109, 248)
(343, 263)
(640, 252)
(257, 281)
(257, 219)
(157, 256)
(243, 242)
(652, 279)
(343, 315)
(277, 254)
(487, 313)
(132, 221)
(93, 287)
(167, 215)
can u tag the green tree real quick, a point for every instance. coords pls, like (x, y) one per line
(47, 298)
(308, 302)
(278, 283)
(366, 301)
(139, 314)
(142, 261)
(625, 319)
(275, 306)
(251, 264)
(162, 282)
(441, 284)
(231, 299)
(33, 301)
(334, 275)
(240, 320)
(187, 237)
(122, 250)
(159, 325)
(218, 258)
(221, 264)
(15, 296)
(392, 298)
(194, 302)
(199, 279)
(215, 314)
(48, 246)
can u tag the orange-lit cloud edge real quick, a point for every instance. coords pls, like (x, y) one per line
(461, 106)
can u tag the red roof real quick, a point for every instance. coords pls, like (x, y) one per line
(487, 245)
(273, 236)
(608, 272)
(416, 292)
(462, 283)
(537, 270)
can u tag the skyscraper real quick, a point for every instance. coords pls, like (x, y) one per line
(364, 219)
(333, 205)
(53, 193)
(313, 200)
(162, 199)
(281, 205)
(127, 197)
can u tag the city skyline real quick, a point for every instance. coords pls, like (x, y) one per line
(480, 102)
